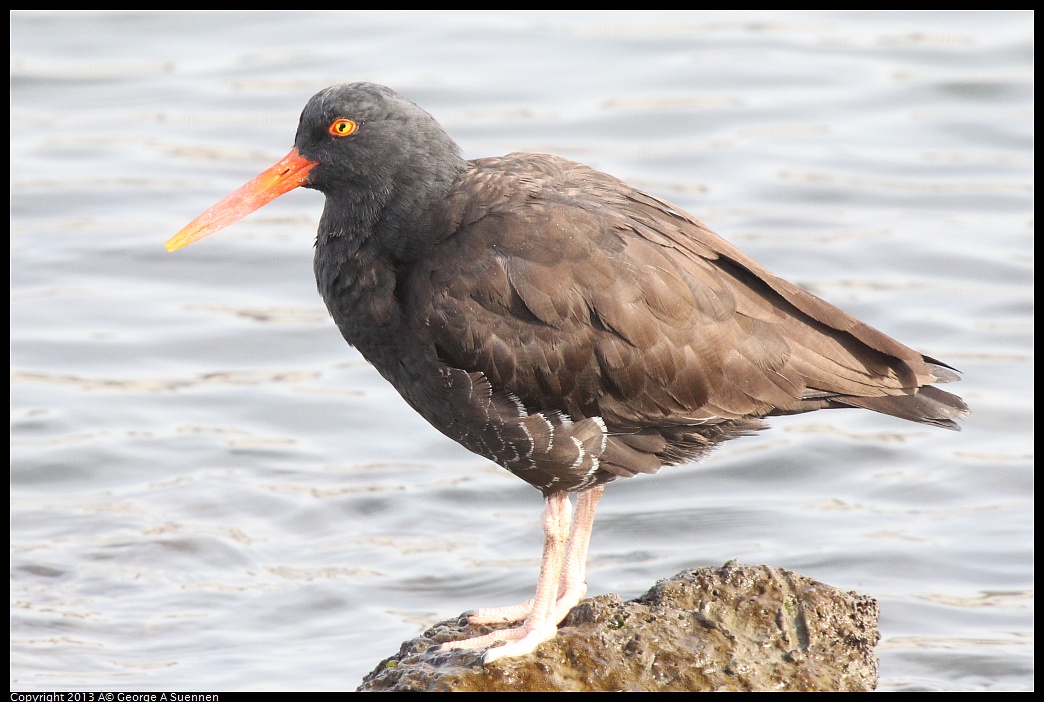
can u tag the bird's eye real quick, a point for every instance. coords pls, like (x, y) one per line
(342, 127)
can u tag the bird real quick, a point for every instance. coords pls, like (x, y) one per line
(559, 322)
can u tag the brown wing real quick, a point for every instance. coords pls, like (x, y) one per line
(592, 299)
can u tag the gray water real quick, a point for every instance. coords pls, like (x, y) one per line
(210, 490)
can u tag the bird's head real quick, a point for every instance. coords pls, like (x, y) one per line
(372, 152)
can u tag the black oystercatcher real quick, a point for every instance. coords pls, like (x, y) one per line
(559, 322)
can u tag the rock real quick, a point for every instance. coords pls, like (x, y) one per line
(734, 628)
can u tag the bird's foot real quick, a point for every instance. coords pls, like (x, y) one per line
(528, 638)
(518, 641)
(522, 639)
(500, 615)
(567, 599)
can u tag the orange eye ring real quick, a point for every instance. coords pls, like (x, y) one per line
(342, 127)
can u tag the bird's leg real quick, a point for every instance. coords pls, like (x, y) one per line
(553, 599)
(540, 625)
(572, 584)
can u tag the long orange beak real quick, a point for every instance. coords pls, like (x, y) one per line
(290, 173)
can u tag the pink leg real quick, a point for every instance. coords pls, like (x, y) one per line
(538, 626)
(559, 588)
(573, 584)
